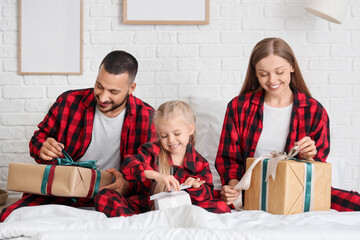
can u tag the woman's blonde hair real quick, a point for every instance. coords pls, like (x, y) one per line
(277, 47)
(166, 110)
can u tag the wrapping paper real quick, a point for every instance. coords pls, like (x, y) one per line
(296, 186)
(66, 181)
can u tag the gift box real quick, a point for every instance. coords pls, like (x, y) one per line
(171, 199)
(57, 180)
(299, 186)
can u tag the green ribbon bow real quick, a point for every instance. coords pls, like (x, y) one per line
(68, 161)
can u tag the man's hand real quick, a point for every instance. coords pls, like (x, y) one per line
(51, 149)
(120, 184)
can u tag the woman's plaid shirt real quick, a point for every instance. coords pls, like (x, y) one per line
(243, 125)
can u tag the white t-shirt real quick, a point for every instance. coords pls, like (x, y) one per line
(105, 141)
(276, 125)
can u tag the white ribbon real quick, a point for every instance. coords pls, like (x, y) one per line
(274, 158)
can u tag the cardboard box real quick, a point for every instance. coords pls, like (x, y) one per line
(68, 181)
(172, 199)
(290, 193)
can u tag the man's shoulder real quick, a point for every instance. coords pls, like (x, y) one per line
(139, 106)
(77, 93)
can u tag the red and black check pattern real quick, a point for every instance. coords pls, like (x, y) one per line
(243, 125)
(70, 121)
(113, 204)
(147, 159)
(344, 201)
(36, 200)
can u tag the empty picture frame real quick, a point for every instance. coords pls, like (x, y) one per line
(166, 11)
(51, 37)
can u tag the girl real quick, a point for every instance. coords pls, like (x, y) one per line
(274, 111)
(164, 165)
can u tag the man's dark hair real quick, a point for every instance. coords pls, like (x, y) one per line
(118, 62)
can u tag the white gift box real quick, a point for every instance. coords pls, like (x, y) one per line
(171, 199)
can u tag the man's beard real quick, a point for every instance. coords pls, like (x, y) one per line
(116, 106)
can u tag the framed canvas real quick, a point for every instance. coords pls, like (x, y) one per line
(166, 11)
(51, 37)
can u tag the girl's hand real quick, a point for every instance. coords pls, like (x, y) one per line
(168, 180)
(307, 148)
(229, 194)
(194, 182)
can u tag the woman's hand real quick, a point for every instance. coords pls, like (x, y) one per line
(194, 182)
(228, 193)
(307, 148)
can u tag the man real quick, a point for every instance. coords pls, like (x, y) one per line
(103, 123)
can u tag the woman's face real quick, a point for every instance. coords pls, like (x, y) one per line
(274, 75)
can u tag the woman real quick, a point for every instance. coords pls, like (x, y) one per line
(274, 101)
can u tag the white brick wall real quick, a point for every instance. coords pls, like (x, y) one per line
(207, 60)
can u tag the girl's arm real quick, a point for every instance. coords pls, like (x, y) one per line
(134, 166)
(205, 190)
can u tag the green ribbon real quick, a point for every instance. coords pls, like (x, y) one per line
(263, 184)
(308, 180)
(68, 161)
(45, 179)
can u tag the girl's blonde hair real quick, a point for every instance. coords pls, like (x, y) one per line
(165, 111)
(277, 47)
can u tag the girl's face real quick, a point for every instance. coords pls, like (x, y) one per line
(174, 134)
(274, 75)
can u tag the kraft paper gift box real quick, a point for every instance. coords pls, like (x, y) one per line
(64, 181)
(298, 187)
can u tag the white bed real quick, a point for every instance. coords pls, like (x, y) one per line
(186, 222)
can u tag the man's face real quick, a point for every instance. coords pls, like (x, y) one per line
(111, 92)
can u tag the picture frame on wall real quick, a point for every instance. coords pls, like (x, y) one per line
(166, 12)
(51, 37)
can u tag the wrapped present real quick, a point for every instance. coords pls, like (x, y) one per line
(281, 184)
(65, 180)
(164, 200)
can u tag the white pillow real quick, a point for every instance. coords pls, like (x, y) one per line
(210, 113)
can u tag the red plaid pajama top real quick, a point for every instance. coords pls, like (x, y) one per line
(242, 128)
(148, 158)
(70, 121)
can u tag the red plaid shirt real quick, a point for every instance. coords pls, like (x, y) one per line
(70, 121)
(194, 166)
(243, 125)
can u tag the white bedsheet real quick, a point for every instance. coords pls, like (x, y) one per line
(186, 222)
